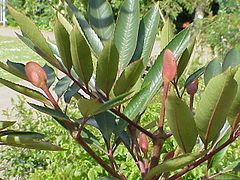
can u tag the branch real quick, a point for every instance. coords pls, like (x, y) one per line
(205, 158)
(96, 157)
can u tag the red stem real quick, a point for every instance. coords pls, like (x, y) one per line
(163, 109)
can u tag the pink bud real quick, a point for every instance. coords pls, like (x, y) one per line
(169, 66)
(36, 74)
(143, 142)
(192, 88)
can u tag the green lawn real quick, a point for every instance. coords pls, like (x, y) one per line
(14, 50)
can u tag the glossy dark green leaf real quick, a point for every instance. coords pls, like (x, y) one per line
(183, 61)
(50, 112)
(181, 123)
(50, 75)
(167, 34)
(148, 29)
(235, 107)
(129, 77)
(31, 31)
(126, 32)
(26, 135)
(136, 103)
(218, 157)
(232, 59)
(88, 107)
(16, 69)
(62, 85)
(89, 137)
(25, 91)
(154, 76)
(173, 164)
(107, 67)
(72, 91)
(116, 101)
(81, 56)
(194, 76)
(101, 18)
(106, 122)
(213, 68)
(63, 44)
(214, 105)
(92, 38)
(5, 124)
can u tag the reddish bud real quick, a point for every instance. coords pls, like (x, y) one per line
(169, 66)
(36, 74)
(143, 142)
(192, 88)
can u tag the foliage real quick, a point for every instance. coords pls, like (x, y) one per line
(115, 109)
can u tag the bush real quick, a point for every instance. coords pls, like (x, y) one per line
(113, 96)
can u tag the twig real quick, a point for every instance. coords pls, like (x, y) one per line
(97, 158)
(132, 131)
(205, 158)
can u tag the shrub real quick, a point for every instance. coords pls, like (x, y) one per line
(113, 96)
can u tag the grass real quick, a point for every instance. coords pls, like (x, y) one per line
(14, 50)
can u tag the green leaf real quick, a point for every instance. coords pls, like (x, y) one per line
(213, 69)
(92, 38)
(194, 76)
(72, 91)
(107, 68)
(235, 107)
(234, 166)
(106, 178)
(224, 135)
(126, 32)
(173, 164)
(22, 134)
(116, 101)
(25, 91)
(81, 56)
(62, 86)
(90, 138)
(64, 22)
(31, 31)
(214, 105)
(146, 36)
(167, 34)
(154, 76)
(63, 44)
(51, 112)
(181, 123)
(101, 18)
(107, 123)
(129, 77)
(5, 124)
(136, 103)
(183, 61)
(232, 59)
(29, 140)
(88, 107)
(227, 177)
(16, 69)
(50, 75)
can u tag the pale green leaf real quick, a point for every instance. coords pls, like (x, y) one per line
(126, 32)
